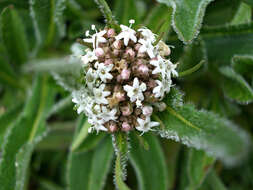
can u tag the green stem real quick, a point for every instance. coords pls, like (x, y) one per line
(191, 70)
(105, 9)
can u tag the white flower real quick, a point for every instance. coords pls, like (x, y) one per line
(108, 114)
(95, 38)
(100, 95)
(172, 68)
(147, 34)
(96, 124)
(145, 125)
(160, 66)
(91, 77)
(126, 34)
(135, 92)
(103, 71)
(88, 57)
(147, 47)
(161, 89)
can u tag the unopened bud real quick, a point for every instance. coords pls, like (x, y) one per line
(126, 127)
(143, 70)
(117, 44)
(108, 61)
(137, 47)
(125, 74)
(120, 96)
(99, 52)
(126, 110)
(111, 33)
(112, 127)
(130, 53)
(147, 110)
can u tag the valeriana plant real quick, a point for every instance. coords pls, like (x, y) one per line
(123, 79)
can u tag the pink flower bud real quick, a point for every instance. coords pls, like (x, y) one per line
(151, 84)
(99, 52)
(126, 110)
(137, 47)
(167, 52)
(120, 96)
(108, 61)
(119, 78)
(143, 70)
(116, 52)
(125, 74)
(139, 62)
(112, 127)
(141, 55)
(126, 127)
(111, 33)
(147, 110)
(130, 53)
(117, 44)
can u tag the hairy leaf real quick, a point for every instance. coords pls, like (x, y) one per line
(88, 170)
(26, 131)
(149, 165)
(235, 87)
(187, 17)
(47, 18)
(13, 36)
(243, 64)
(198, 166)
(66, 71)
(126, 10)
(204, 130)
(243, 14)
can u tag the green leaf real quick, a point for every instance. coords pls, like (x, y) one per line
(84, 141)
(121, 148)
(243, 14)
(235, 87)
(250, 2)
(119, 175)
(17, 3)
(230, 40)
(154, 21)
(48, 21)
(198, 166)
(149, 165)
(13, 36)
(187, 17)
(88, 170)
(66, 71)
(126, 10)
(8, 118)
(25, 133)
(213, 182)
(205, 131)
(243, 64)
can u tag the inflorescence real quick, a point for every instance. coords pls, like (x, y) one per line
(126, 77)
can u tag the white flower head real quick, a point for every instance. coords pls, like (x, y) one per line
(126, 34)
(147, 47)
(96, 38)
(172, 68)
(100, 94)
(147, 34)
(146, 125)
(135, 92)
(103, 71)
(88, 57)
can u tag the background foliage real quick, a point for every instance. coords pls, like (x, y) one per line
(44, 143)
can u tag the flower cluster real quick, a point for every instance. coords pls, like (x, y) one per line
(126, 77)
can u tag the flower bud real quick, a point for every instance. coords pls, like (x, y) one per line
(116, 52)
(137, 47)
(112, 127)
(147, 110)
(120, 96)
(126, 127)
(117, 44)
(126, 110)
(99, 52)
(125, 74)
(143, 70)
(111, 33)
(130, 53)
(108, 61)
